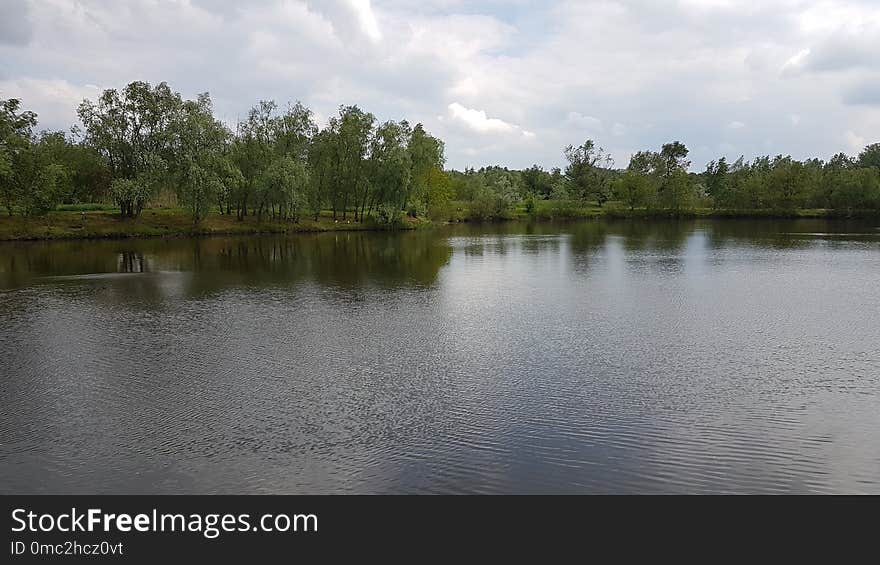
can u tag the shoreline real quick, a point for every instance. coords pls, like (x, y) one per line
(175, 223)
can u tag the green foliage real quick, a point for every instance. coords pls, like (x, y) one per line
(489, 205)
(870, 156)
(284, 186)
(86, 177)
(633, 189)
(426, 156)
(32, 178)
(88, 207)
(676, 193)
(786, 184)
(130, 195)
(589, 171)
(859, 189)
(437, 188)
(389, 214)
(146, 144)
(717, 180)
(390, 169)
(199, 165)
(537, 182)
(530, 204)
(200, 187)
(134, 131)
(560, 192)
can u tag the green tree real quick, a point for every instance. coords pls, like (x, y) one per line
(870, 156)
(322, 165)
(537, 181)
(390, 169)
(589, 171)
(786, 183)
(426, 153)
(231, 180)
(438, 189)
(859, 189)
(30, 176)
(350, 133)
(16, 137)
(283, 190)
(133, 131)
(39, 182)
(199, 163)
(718, 183)
(130, 194)
(675, 192)
(86, 178)
(252, 153)
(632, 189)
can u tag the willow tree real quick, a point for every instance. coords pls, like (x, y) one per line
(201, 165)
(390, 169)
(32, 177)
(16, 133)
(343, 156)
(426, 153)
(133, 130)
(589, 171)
(253, 152)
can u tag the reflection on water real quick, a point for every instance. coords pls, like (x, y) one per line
(724, 356)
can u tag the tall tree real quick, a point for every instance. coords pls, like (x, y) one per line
(537, 181)
(589, 171)
(200, 163)
(31, 176)
(718, 183)
(674, 190)
(351, 131)
(870, 156)
(253, 153)
(426, 153)
(390, 169)
(133, 131)
(16, 136)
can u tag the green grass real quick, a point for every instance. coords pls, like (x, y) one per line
(88, 223)
(87, 207)
(166, 222)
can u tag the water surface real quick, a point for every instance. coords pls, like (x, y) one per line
(634, 357)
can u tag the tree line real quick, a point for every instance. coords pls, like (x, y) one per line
(661, 181)
(137, 142)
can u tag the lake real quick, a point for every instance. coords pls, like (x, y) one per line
(727, 356)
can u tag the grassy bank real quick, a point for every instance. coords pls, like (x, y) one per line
(102, 223)
(106, 224)
(550, 210)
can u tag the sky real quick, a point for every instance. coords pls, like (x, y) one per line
(502, 82)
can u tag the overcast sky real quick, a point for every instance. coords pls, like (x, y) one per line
(501, 81)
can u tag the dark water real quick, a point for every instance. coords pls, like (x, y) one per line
(730, 356)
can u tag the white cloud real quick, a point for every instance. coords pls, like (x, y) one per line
(736, 125)
(581, 121)
(796, 62)
(367, 19)
(480, 122)
(57, 98)
(631, 75)
(854, 141)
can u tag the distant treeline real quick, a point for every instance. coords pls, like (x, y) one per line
(659, 181)
(140, 144)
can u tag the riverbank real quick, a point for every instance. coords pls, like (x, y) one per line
(165, 222)
(107, 224)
